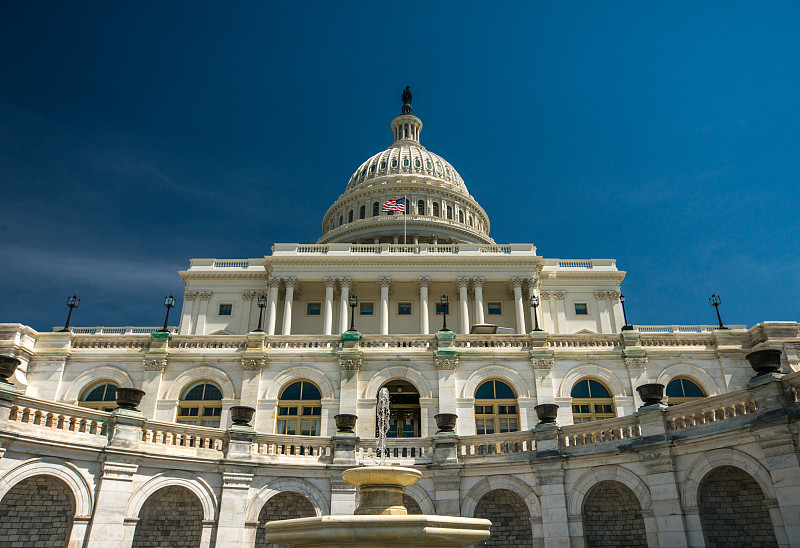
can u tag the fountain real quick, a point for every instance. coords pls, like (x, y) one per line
(380, 520)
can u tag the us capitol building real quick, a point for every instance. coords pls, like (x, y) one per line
(309, 334)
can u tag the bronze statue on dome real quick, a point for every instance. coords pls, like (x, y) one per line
(406, 101)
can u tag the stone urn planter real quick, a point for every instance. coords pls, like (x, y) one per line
(241, 415)
(446, 422)
(345, 423)
(651, 393)
(764, 361)
(546, 412)
(7, 367)
(129, 398)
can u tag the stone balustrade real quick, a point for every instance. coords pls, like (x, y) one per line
(277, 447)
(509, 444)
(44, 419)
(398, 451)
(170, 435)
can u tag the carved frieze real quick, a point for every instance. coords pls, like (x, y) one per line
(446, 364)
(550, 477)
(776, 447)
(189, 295)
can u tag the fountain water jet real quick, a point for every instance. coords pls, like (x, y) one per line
(380, 520)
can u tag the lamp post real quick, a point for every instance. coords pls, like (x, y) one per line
(262, 302)
(535, 305)
(353, 301)
(444, 302)
(625, 327)
(72, 302)
(715, 301)
(169, 302)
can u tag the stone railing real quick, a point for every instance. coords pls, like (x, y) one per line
(492, 341)
(682, 328)
(584, 341)
(405, 249)
(303, 342)
(47, 419)
(213, 264)
(398, 341)
(128, 330)
(398, 450)
(710, 410)
(278, 447)
(209, 342)
(605, 431)
(171, 436)
(510, 443)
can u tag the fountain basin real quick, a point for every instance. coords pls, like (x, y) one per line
(381, 488)
(371, 531)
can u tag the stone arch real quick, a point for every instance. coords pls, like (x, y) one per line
(694, 373)
(174, 478)
(579, 490)
(509, 376)
(206, 372)
(87, 378)
(418, 494)
(724, 457)
(595, 371)
(52, 467)
(612, 516)
(171, 516)
(731, 509)
(397, 372)
(300, 372)
(492, 483)
(33, 502)
(283, 485)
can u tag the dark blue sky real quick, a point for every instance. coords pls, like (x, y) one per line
(135, 136)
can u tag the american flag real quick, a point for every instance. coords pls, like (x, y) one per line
(395, 205)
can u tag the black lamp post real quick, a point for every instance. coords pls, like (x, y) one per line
(72, 302)
(353, 301)
(625, 327)
(444, 302)
(262, 302)
(715, 301)
(169, 302)
(535, 305)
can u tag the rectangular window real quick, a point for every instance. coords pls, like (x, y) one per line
(403, 309)
(581, 309)
(225, 309)
(313, 309)
(494, 309)
(441, 309)
(366, 309)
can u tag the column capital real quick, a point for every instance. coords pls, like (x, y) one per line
(600, 294)
(154, 364)
(290, 281)
(273, 281)
(257, 365)
(545, 294)
(424, 281)
(189, 295)
(330, 281)
(446, 364)
(517, 282)
(463, 282)
(559, 295)
(613, 295)
(478, 281)
(351, 363)
(385, 281)
(345, 282)
(205, 295)
(248, 295)
(636, 363)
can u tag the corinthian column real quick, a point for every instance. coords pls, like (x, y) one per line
(344, 284)
(463, 284)
(385, 282)
(424, 281)
(272, 306)
(287, 305)
(327, 318)
(478, 284)
(517, 283)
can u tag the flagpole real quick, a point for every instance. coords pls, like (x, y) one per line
(405, 219)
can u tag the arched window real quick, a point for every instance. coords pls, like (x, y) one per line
(591, 401)
(421, 207)
(201, 405)
(435, 209)
(470, 220)
(681, 390)
(300, 409)
(341, 220)
(362, 213)
(350, 216)
(449, 212)
(495, 408)
(376, 208)
(100, 396)
(460, 216)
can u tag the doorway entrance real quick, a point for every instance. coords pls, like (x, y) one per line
(404, 411)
